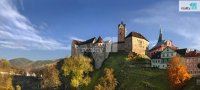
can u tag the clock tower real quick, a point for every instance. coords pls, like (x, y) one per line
(121, 32)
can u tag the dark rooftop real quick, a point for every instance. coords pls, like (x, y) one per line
(85, 42)
(136, 34)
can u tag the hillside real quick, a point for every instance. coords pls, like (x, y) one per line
(20, 62)
(129, 78)
(23, 63)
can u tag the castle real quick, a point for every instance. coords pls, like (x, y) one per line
(136, 43)
(133, 42)
(100, 49)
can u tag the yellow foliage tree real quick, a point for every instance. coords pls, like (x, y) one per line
(108, 81)
(18, 87)
(50, 76)
(177, 73)
(77, 68)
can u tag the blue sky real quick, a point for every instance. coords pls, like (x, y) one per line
(43, 29)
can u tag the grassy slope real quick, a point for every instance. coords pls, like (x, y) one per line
(191, 85)
(130, 77)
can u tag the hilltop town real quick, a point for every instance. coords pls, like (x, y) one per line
(137, 44)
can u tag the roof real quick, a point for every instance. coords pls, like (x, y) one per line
(182, 52)
(99, 40)
(156, 56)
(84, 42)
(136, 34)
(162, 44)
(122, 23)
(194, 53)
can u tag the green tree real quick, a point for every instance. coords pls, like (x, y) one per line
(76, 69)
(107, 81)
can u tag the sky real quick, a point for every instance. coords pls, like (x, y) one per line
(44, 29)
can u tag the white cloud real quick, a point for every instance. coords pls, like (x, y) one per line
(17, 31)
(166, 13)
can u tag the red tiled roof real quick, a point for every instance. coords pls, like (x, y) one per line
(193, 54)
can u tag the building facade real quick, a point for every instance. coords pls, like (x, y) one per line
(160, 59)
(96, 48)
(133, 42)
(192, 59)
(161, 45)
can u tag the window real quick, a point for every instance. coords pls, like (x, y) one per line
(158, 61)
(191, 65)
(190, 71)
(195, 72)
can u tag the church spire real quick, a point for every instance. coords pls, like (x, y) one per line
(160, 35)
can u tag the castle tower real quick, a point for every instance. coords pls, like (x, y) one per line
(121, 32)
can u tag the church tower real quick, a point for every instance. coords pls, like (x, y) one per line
(160, 36)
(121, 32)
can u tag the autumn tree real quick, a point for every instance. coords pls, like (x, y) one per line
(177, 73)
(49, 75)
(18, 87)
(4, 64)
(76, 69)
(107, 81)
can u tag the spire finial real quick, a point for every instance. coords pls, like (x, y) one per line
(160, 29)
(160, 35)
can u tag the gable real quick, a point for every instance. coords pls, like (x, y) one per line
(168, 50)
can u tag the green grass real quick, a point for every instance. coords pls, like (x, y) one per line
(191, 84)
(130, 78)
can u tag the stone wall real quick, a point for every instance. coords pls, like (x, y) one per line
(139, 45)
(99, 51)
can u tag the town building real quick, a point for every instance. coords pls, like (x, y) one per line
(133, 42)
(192, 59)
(160, 59)
(161, 45)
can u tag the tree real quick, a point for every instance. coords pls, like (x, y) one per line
(50, 76)
(107, 81)
(9, 83)
(18, 87)
(4, 64)
(177, 73)
(76, 69)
